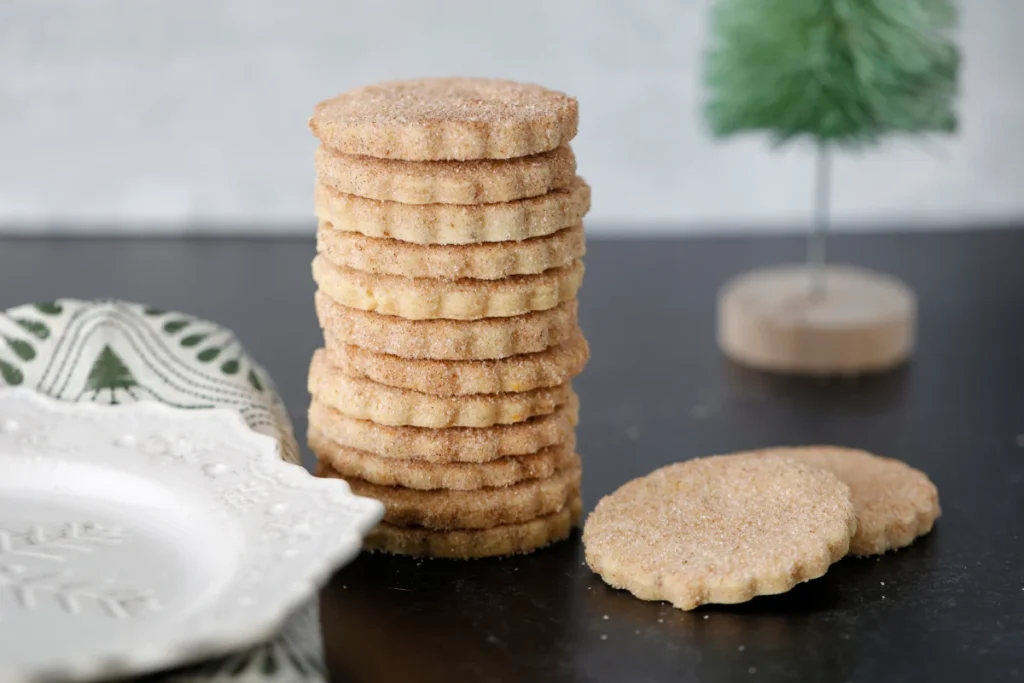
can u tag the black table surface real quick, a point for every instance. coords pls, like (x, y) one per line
(950, 607)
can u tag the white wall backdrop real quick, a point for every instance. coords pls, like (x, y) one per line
(122, 115)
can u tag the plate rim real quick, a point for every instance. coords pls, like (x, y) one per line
(221, 636)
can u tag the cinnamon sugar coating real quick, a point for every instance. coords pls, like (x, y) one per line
(367, 400)
(455, 223)
(894, 502)
(721, 529)
(448, 261)
(524, 372)
(446, 118)
(414, 473)
(483, 261)
(465, 299)
(473, 509)
(466, 544)
(485, 181)
(452, 445)
(440, 339)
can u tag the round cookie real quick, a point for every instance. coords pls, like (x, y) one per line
(485, 181)
(721, 529)
(466, 299)
(446, 118)
(440, 339)
(525, 372)
(473, 509)
(413, 473)
(455, 223)
(465, 544)
(452, 445)
(894, 502)
(367, 400)
(482, 261)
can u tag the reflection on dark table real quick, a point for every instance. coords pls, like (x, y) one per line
(949, 607)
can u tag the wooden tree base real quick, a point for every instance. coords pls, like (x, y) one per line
(862, 322)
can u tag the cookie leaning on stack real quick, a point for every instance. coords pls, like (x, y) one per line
(448, 262)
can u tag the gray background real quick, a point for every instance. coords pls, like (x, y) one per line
(128, 115)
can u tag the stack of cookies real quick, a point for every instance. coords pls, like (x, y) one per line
(448, 262)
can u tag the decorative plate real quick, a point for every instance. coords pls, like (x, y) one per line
(139, 536)
(118, 352)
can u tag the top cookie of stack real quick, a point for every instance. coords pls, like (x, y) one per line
(448, 263)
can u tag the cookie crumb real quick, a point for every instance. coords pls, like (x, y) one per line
(605, 617)
(604, 637)
(741, 648)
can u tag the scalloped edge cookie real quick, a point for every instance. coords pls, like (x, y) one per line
(474, 509)
(440, 339)
(452, 445)
(484, 181)
(411, 473)
(721, 529)
(446, 118)
(466, 299)
(455, 223)
(895, 503)
(366, 400)
(484, 261)
(524, 372)
(468, 544)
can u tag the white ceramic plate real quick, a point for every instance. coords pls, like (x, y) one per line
(138, 537)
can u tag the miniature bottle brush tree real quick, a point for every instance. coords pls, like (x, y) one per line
(844, 74)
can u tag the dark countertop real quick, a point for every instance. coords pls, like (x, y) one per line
(951, 607)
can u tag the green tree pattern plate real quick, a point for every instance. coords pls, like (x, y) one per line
(121, 352)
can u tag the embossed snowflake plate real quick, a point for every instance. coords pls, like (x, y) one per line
(138, 537)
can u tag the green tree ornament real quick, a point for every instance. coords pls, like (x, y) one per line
(842, 72)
